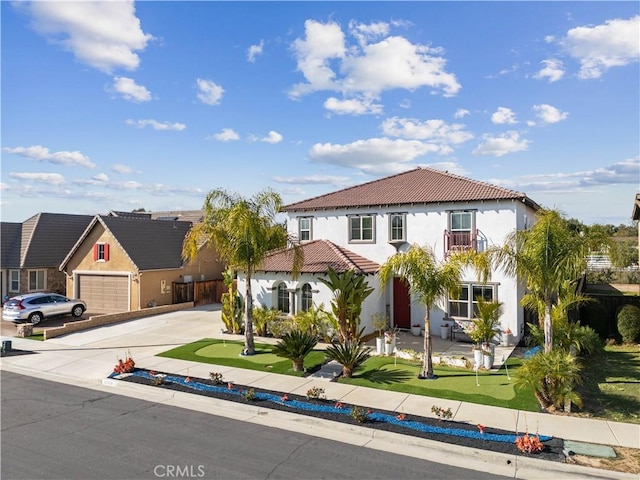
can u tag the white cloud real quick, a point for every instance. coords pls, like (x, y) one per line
(209, 92)
(598, 48)
(553, 70)
(353, 106)
(42, 154)
(328, 63)
(157, 125)
(549, 114)
(130, 90)
(101, 177)
(314, 180)
(226, 135)
(504, 116)
(254, 50)
(434, 130)
(103, 35)
(48, 178)
(120, 168)
(272, 137)
(503, 144)
(461, 113)
(375, 155)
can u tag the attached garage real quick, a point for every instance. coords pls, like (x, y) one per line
(104, 293)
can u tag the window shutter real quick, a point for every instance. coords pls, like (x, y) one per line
(95, 252)
(106, 252)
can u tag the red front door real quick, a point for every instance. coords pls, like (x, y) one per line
(401, 304)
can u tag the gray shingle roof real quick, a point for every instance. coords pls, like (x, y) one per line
(418, 186)
(151, 244)
(319, 255)
(42, 240)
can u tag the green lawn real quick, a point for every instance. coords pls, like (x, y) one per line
(227, 353)
(611, 386)
(611, 389)
(452, 383)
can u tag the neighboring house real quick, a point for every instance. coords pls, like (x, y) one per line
(127, 262)
(423, 206)
(635, 215)
(31, 252)
(273, 286)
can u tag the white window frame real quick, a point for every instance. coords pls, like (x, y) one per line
(471, 302)
(283, 300)
(305, 229)
(306, 297)
(39, 287)
(14, 276)
(358, 220)
(392, 228)
(101, 252)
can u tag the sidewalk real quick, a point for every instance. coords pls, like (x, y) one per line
(87, 358)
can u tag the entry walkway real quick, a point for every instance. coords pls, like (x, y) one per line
(87, 358)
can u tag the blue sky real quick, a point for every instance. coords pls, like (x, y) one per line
(122, 105)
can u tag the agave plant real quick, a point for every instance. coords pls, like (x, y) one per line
(350, 353)
(295, 346)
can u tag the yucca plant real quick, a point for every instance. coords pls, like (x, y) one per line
(295, 346)
(349, 353)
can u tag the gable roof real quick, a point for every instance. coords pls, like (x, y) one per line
(42, 240)
(194, 216)
(418, 186)
(319, 255)
(150, 244)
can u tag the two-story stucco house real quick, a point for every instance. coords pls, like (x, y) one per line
(372, 221)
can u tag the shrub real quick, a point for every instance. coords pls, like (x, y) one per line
(249, 394)
(315, 393)
(359, 414)
(295, 346)
(262, 317)
(216, 378)
(350, 353)
(629, 323)
(280, 326)
(441, 413)
(316, 321)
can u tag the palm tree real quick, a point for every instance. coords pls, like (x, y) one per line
(350, 353)
(429, 281)
(349, 292)
(242, 231)
(295, 346)
(544, 257)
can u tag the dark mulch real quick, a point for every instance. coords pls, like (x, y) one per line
(553, 448)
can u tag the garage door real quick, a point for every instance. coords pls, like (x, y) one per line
(104, 293)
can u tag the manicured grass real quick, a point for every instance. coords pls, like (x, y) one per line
(36, 336)
(452, 383)
(611, 386)
(209, 350)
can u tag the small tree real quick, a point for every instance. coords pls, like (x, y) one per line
(629, 323)
(349, 353)
(295, 346)
(486, 321)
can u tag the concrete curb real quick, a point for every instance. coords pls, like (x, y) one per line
(514, 466)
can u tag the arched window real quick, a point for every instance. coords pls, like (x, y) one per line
(283, 298)
(306, 301)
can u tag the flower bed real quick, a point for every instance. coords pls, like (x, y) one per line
(399, 422)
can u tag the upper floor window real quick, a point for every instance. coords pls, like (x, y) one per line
(306, 299)
(465, 305)
(14, 280)
(283, 298)
(361, 228)
(461, 234)
(37, 280)
(397, 227)
(101, 252)
(304, 228)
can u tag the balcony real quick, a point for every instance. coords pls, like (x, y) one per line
(460, 241)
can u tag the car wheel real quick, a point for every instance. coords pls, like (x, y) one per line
(35, 318)
(77, 311)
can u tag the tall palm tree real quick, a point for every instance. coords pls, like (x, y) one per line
(243, 231)
(429, 281)
(544, 257)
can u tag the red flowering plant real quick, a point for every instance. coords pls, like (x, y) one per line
(529, 443)
(481, 428)
(125, 366)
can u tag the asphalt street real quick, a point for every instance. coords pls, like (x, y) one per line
(56, 431)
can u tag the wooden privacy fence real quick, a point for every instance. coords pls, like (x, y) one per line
(200, 293)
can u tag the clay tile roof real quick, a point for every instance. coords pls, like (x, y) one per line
(319, 255)
(421, 185)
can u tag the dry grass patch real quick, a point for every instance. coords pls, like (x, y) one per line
(627, 461)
